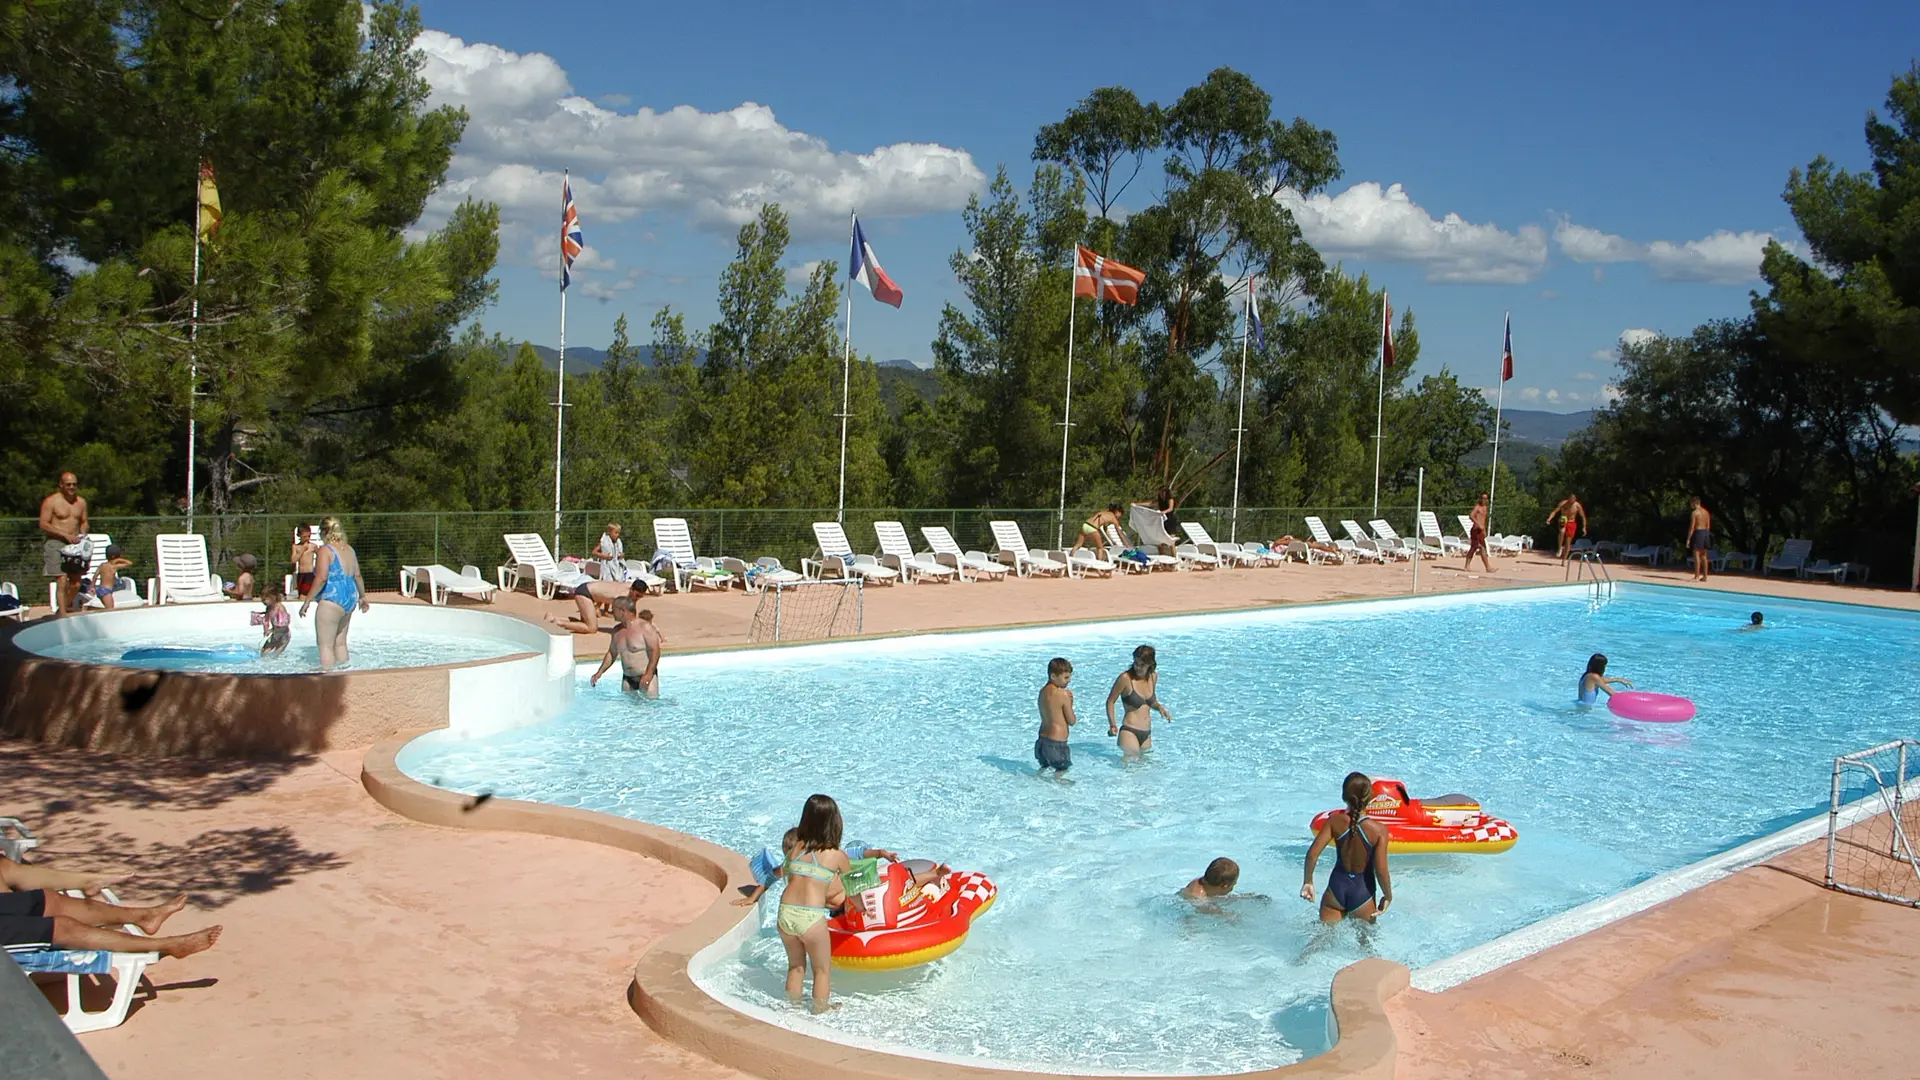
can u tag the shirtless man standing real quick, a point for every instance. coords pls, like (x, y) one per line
(1571, 515)
(1699, 538)
(1477, 537)
(63, 519)
(636, 646)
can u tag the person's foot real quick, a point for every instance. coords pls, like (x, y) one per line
(150, 919)
(188, 944)
(824, 1007)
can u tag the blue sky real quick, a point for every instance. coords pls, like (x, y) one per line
(1596, 171)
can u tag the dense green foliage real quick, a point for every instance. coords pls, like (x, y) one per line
(1786, 422)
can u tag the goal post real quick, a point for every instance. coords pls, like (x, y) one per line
(809, 610)
(1872, 820)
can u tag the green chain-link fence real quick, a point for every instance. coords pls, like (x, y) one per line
(386, 541)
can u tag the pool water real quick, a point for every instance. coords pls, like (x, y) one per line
(1088, 963)
(368, 648)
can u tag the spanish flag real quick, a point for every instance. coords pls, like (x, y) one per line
(209, 221)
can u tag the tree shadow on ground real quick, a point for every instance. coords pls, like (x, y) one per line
(69, 798)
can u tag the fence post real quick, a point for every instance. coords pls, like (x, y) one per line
(436, 539)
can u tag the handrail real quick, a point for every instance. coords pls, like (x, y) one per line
(1592, 570)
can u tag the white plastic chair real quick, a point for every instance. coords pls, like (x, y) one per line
(836, 554)
(897, 552)
(948, 553)
(184, 577)
(1011, 548)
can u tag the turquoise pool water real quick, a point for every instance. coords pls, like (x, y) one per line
(1088, 963)
(237, 651)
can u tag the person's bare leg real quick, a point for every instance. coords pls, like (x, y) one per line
(71, 933)
(796, 966)
(340, 637)
(18, 877)
(107, 600)
(819, 945)
(101, 913)
(326, 631)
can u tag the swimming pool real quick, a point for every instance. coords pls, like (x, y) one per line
(1088, 963)
(236, 650)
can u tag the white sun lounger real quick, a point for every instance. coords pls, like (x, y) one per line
(126, 968)
(1414, 547)
(444, 580)
(1363, 542)
(1010, 547)
(181, 561)
(1083, 562)
(896, 551)
(1150, 525)
(1346, 549)
(1792, 558)
(755, 576)
(1224, 551)
(835, 557)
(1155, 561)
(1430, 532)
(19, 611)
(948, 553)
(1652, 554)
(672, 536)
(530, 559)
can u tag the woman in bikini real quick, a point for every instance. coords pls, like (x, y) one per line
(813, 868)
(1359, 857)
(1136, 688)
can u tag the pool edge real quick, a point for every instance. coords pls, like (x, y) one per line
(664, 996)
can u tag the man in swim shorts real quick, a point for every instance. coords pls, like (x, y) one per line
(1056, 719)
(1090, 531)
(1699, 538)
(1477, 536)
(63, 523)
(1571, 516)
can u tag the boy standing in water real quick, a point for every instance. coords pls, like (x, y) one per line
(305, 557)
(1056, 719)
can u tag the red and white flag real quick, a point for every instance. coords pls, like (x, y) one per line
(1506, 352)
(1386, 331)
(1097, 276)
(864, 268)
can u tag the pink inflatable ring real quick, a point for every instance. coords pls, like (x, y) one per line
(1650, 708)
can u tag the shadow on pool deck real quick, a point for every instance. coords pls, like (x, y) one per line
(71, 797)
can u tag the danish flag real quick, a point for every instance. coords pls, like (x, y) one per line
(1097, 276)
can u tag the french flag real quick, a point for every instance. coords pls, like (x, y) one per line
(864, 268)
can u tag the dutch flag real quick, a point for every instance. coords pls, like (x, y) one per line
(864, 268)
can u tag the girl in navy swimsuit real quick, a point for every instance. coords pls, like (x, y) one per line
(1359, 858)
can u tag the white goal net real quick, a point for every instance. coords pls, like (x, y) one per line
(809, 610)
(1873, 822)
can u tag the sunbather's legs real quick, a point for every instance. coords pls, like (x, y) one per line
(101, 913)
(20, 877)
(70, 933)
(585, 621)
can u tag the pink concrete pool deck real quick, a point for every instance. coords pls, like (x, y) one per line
(363, 944)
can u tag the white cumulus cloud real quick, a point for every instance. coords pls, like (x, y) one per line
(1722, 258)
(715, 169)
(798, 276)
(1638, 335)
(1368, 221)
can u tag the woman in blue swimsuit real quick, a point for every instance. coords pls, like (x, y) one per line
(1359, 858)
(338, 590)
(1136, 688)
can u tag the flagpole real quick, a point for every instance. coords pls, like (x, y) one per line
(1380, 402)
(560, 372)
(1066, 409)
(1500, 401)
(846, 372)
(193, 339)
(1240, 422)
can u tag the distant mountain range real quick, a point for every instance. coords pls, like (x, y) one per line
(1532, 426)
(1544, 428)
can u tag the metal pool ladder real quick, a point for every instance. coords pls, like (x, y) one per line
(1593, 572)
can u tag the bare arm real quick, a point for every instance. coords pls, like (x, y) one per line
(1113, 695)
(1380, 871)
(84, 525)
(359, 585)
(1320, 841)
(16, 877)
(606, 661)
(1072, 717)
(653, 656)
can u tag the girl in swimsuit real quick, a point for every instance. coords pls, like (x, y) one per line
(1359, 858)
(338, 590)
(1596, 680)
(1136, 689)
(813, 868)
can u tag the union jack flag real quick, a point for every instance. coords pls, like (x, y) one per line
(569, 232)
